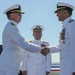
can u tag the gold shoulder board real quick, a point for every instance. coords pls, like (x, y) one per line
(30, 41)
(45, 42)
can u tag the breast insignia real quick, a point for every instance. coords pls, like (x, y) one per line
(12, 24)
(71, 20)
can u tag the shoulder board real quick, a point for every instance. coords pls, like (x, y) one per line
(30, 41)
(12, 24)
(45, 42)
(71, 20)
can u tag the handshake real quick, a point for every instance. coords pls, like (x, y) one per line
(44, 49)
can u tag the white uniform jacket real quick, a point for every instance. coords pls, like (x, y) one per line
(13, 45)
(67, 48)
(36, 63)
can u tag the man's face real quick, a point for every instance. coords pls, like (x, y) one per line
(37, 35)
(16, 17)
(61, 15)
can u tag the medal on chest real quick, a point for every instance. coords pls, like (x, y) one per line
(62, 35)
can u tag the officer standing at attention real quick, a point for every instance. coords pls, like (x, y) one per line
(14, 43)
(67, 39)
(36, 63)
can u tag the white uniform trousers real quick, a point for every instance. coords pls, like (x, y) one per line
(2, 72)
(65, 68)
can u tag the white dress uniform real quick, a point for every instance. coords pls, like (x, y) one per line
(36, 63)
(67, 48)
(66, 43)
(13, 45)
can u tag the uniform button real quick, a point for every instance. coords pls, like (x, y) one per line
(38, 58)
(37, 64)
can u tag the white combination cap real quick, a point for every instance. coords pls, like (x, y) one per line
(14, 9)
(62, 5)
(37, 28)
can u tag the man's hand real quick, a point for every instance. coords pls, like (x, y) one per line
(24, 73)
(47, 73)
(45, 50)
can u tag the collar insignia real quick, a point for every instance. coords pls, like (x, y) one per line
(12, 24)
(71, 20)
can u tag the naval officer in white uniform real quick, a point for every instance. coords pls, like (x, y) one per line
(36, 63)
(67, 39)
(14, 43)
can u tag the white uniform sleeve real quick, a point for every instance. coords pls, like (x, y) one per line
(54, 49)
(16, 37)
(25, 60)
(72, 43)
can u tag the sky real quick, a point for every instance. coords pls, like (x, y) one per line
(37, 12)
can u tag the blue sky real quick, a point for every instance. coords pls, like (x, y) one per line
(37, 12)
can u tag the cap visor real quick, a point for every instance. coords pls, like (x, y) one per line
(22, 12)
(55, 11)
